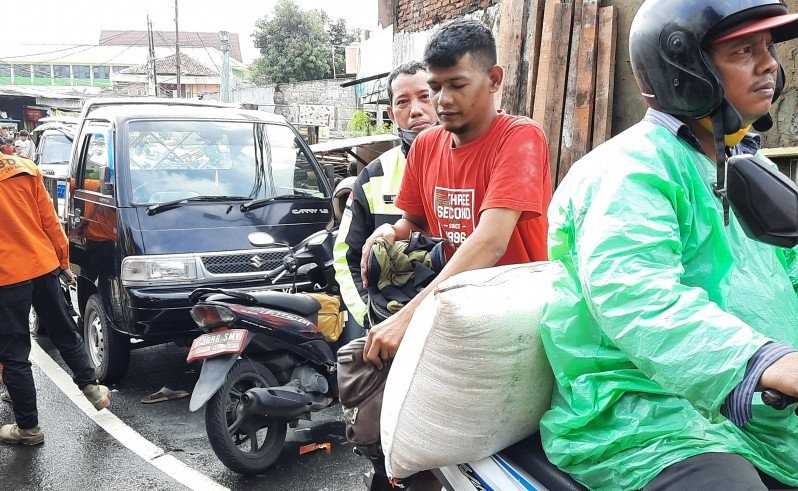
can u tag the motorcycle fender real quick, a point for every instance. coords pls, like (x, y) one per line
(214, 371)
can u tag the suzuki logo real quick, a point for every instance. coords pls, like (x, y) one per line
(257, 262)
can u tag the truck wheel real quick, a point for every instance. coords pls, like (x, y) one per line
(246, 450)
(108, 350)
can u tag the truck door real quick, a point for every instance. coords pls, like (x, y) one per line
(92, 218)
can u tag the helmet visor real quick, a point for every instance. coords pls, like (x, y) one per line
(783, 27)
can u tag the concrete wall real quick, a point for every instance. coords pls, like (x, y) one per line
(263, 97)
(318, 102)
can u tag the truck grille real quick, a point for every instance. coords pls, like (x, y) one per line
(243, 263)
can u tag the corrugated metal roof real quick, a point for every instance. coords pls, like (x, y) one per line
(167, 38)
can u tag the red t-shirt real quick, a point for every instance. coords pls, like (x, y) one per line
(507, 167)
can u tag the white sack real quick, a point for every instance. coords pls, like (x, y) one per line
(471, 376)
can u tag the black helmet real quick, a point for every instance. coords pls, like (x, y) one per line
(667, 44)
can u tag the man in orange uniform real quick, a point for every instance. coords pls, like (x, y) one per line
(33, 253)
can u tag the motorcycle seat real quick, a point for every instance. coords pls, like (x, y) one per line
(297, 303)
(528, 455)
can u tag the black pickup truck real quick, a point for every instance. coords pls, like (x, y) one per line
(162, 198)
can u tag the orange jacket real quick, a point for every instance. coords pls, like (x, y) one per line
(32, 242)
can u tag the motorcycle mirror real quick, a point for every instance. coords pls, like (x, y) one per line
(764, 200)
(260, 239)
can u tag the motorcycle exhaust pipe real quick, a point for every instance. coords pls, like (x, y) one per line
(277, 402)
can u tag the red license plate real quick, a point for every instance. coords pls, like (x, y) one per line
(219, 342)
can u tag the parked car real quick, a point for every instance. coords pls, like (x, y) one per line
(53, 151)
(162, 198)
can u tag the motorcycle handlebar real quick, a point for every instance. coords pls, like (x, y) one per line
(274, 272)
(777, 400)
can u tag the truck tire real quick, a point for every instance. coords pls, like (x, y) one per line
(108, 350)
(235, 448)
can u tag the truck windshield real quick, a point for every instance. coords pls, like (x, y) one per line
(173, 160)
(56, 149)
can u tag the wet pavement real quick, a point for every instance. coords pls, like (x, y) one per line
(81, 454)
(76, 454)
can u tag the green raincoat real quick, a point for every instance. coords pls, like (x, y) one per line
(660, 310)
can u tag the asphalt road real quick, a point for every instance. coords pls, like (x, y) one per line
(79, 455)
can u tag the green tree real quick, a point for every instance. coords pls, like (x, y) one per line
(294, 45)
(340, 37)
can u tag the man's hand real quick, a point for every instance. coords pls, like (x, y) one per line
(386, 231)
(68, 276)
(782, 375)
(384, 338)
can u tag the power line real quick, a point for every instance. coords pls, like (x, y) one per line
(218, 70)
(143, 35)
(85, 47)
(47, 52)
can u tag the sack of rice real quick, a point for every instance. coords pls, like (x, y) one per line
(471, 376)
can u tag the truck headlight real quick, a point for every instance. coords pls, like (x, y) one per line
(155, 270)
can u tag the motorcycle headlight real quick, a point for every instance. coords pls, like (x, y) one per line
(154, 270)
(318, 238)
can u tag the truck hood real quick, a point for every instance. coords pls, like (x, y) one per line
(217, 227)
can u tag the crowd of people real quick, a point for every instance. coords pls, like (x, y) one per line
(17, 143)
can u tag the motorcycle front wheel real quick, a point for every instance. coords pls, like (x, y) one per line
(247, 446)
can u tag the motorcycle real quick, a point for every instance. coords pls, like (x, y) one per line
(524, 466)
(265, 365)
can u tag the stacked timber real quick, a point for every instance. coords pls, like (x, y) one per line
(559, 61)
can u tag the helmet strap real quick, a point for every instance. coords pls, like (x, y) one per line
(764, 123)
(719, 135)
(732, 139)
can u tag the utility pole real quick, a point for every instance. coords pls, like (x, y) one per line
(152, 77)
(177, 53)
(224, 77)
(332, 49)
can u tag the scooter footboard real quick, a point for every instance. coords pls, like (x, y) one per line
(492, 474)
(214, 371)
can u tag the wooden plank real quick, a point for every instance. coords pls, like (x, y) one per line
(511, 43)
(605, 74)
(578, 118)
(531, 57)
(570, 87)
(552, 74)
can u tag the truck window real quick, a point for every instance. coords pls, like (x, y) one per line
(292, 170)
(55, 149)
(97, 173)
(179, 159)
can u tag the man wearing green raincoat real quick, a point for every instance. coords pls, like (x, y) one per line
(669, 319)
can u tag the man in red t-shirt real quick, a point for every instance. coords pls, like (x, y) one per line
(480, 180)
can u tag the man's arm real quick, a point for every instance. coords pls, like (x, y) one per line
(400, 230)
(482, 249)
(357, 224)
